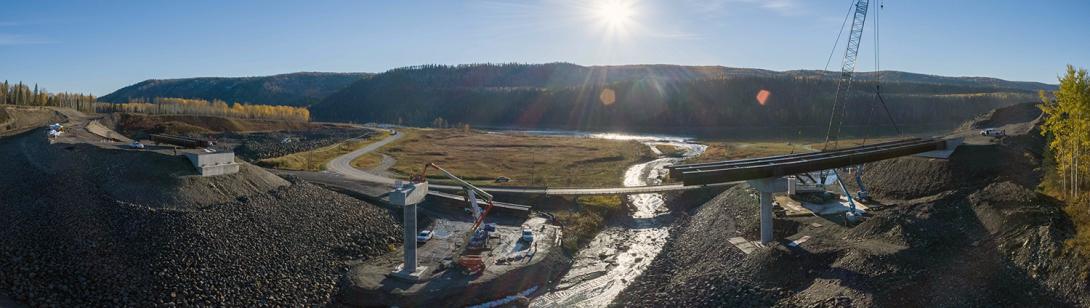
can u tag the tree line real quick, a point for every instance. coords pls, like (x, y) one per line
(1067, 126)
(185, 106)
(710, 106)
(22, 95)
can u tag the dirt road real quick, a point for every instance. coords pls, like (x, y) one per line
(343, 164)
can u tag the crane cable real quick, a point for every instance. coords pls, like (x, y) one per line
(851, 5)
(878, 76)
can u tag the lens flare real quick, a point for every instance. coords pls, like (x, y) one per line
(608, 97)
(762, 96)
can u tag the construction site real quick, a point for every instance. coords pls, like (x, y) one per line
(122, 205)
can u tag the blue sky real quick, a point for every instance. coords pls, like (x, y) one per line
(99, 46)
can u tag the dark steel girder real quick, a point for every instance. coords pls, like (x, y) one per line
(841, 158)
(676, 170)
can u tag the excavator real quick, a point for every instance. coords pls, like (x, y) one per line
(470, 259)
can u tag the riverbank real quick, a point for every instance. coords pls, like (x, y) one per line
(620, 252)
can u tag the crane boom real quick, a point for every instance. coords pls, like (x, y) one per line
(469, 258)
(847, 68)
(466, 185)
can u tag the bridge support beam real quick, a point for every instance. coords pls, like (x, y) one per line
(408, 196)
(766, 217)
(765, 187)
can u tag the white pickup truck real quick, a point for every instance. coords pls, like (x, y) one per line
(994, 132)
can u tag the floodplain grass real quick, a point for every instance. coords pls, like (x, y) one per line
(527, 160)
(588, 218)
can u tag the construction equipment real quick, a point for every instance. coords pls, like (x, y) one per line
(843, 89)
(470, 259)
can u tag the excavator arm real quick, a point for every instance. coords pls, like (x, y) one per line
(471, 262)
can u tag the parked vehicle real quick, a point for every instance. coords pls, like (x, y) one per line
(424, 236)
(527, 234)
(994, 132)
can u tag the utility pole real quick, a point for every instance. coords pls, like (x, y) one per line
(533, 164)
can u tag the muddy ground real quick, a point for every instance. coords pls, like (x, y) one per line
(968, 231)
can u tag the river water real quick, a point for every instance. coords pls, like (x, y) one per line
(621, 252)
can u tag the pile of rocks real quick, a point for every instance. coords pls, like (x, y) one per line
(67, 243)
(683, 274)
(257, 146)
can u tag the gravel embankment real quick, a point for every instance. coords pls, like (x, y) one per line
(967, 231)
(257, 146)
(66, 242)
(698, 267)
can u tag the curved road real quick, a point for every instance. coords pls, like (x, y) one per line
(343, 165)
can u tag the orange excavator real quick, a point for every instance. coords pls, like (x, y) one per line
(470, 259)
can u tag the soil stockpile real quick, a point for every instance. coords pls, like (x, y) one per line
(258, 146)
(968, 231)
(15, 120)
(146, 178)
(69, 241)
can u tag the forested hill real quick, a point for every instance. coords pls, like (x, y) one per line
(295, 89)
(656, 98)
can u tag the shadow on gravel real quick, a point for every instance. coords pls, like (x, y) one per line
(953, 259)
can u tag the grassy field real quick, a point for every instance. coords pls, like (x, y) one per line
(727, 150)
(315, 160)
(527, 160)
(581, 224)
(367, 161)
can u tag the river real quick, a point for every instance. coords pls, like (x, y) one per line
(622, 251)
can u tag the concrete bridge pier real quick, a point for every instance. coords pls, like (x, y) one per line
(765, 187)
(408, 196)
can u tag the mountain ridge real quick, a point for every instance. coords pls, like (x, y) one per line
(293, 89)
(654, 97)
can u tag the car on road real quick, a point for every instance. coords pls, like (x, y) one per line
(136, 145)
(503, 179)
(424, 236)
(527, 234)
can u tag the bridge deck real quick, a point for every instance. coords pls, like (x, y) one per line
(775, 166)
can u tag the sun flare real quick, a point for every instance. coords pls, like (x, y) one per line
(616, 15)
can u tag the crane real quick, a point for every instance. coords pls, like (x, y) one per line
(858, 12)
(469, 259)
(847, 70)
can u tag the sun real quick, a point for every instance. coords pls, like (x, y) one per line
(616, 15)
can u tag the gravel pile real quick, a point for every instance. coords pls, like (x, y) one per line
(68, 243)
(698, 267)
(267, 145)
(969, 231)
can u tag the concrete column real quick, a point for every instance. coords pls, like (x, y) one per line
(766, 217)
(410, 238)
(765, 187)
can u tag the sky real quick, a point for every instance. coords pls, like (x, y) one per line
(99, 46)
